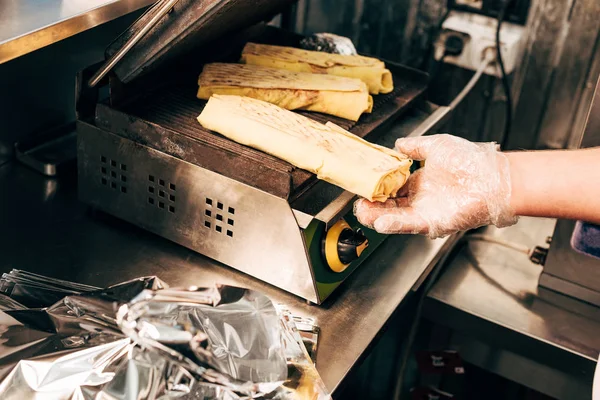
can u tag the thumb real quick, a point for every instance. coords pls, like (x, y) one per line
(416, 148)
(405, 220)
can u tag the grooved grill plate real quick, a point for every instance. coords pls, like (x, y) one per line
(177, 107)
(165, 119)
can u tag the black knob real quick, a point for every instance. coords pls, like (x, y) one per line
(350, 245)
(342, 245)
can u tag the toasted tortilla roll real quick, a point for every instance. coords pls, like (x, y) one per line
(369, 70)
(333, 95)
(335, 155)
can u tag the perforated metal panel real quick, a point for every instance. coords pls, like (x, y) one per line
(113, 174)
(236, 224)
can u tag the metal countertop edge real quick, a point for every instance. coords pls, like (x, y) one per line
(517, 330)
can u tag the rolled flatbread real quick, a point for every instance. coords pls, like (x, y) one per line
(368, 69)
(343, 97)
(332, 153)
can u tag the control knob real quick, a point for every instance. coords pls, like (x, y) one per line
(342, 245)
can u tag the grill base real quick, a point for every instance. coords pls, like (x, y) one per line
(144, 158)
(245, 228)
(223, 219)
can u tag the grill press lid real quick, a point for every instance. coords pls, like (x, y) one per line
(171, 28)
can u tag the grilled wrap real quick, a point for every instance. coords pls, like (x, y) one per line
(369, 70)
(333, 95)
(335, 155)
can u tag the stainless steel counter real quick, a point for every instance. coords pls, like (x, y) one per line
(28, 25)
(549, 342)
(46, 230)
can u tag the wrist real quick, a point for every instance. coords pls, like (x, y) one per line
(506, 196)
(517, 201)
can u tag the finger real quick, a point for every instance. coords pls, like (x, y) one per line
(364, 207)
(367, 211)
(403, 191)
(401, 201)
(412, 184)
(405, 220)
(412, 181)
(416, 148)
(364, 204)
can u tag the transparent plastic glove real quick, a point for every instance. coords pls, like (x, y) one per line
(463, 185)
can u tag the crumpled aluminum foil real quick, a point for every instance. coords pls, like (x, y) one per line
(142, 340)
(329, 43)
(307, 329)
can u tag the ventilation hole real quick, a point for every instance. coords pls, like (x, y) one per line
(104, 181)
(123, 167)
(113, 185)
(104, 170)
(113, 163)
(207, 213)
(151, 178)
(151, 189)
(150, 200)
(103, 159)
(207, 224)
(229, 233)
(229, 221)
(209, 201)
(113, 174)
(123, 178)
(220, 205)
(172, 209)
(161, 205)
(172, 186)
(123, 189)
(219, 217)
(161, 182)
(161, 193)
(218, 228)
(231, 210)
(172, 198)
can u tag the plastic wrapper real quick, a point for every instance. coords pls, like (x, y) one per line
(143, 340)
(329, 43)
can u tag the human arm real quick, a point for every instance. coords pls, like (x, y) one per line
(556, 183)
(464, 185)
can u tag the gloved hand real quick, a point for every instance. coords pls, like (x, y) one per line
(463, 185)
